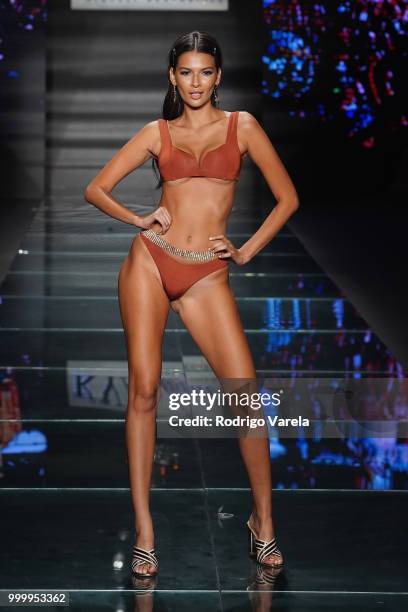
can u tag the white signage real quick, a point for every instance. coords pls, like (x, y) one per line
(150, 5)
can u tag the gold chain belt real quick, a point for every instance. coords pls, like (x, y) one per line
(173, 250)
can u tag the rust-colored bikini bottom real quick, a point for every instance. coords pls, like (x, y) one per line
(178, 276)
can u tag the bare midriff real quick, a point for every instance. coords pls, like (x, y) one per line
(199, 208)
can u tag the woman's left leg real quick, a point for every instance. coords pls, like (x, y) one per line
(210, 314)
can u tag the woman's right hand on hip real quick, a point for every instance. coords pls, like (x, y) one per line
(161, 215)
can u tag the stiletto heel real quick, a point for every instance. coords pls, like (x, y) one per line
(140, 556)
(261, 549)
(251, 547)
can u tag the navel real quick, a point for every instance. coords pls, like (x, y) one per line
(189, 238)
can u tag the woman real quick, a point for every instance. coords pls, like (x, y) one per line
(181, 260)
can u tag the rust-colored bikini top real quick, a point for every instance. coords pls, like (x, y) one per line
(223, 162)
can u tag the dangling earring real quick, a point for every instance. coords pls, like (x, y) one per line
(216, 98)
(174, 93)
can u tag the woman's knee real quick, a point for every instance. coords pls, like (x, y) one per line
(143, 397)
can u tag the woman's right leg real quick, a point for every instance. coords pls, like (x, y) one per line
(144, 308)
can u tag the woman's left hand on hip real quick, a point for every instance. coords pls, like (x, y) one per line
(224, 249)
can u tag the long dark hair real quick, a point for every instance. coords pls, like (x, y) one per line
(173, 104)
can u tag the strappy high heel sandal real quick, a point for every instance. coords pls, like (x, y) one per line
(140, 556)
(261, 549)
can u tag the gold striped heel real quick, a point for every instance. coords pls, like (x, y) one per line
(140, 556)
(261, 549)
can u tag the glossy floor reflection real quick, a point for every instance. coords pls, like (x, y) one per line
(340, 548)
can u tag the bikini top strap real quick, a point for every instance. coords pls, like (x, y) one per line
(232, 127)
(164, 135)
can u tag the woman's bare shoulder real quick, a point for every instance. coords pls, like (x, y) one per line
(246, 120)
(148, 135)
(152, 127)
